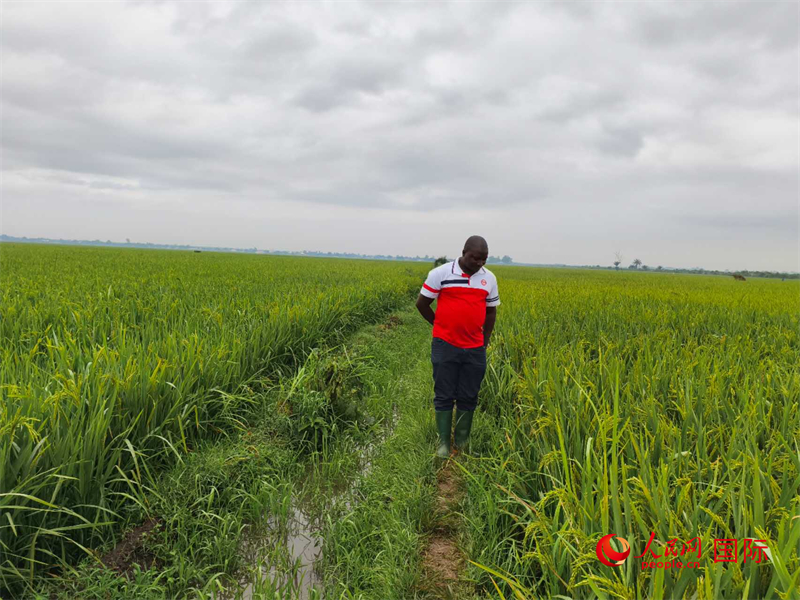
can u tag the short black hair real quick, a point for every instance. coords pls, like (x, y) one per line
(476, 242)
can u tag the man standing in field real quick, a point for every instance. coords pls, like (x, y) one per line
(462, 328)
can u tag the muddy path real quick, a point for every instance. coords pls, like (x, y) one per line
(402, 540)
(442, 559)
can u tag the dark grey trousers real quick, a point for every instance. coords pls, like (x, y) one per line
(457, 375)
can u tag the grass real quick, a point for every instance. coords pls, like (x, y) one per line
(372, 549)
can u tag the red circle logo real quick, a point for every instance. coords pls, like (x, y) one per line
(607, 555)
(483, 282)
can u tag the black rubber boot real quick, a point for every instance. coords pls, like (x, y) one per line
(463, 427)
(444, 421)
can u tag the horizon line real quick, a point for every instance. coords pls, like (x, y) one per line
(4, 238)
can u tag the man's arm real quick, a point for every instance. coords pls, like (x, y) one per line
(488, 325)
(424, 308)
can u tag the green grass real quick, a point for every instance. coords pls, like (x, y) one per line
(372, 549)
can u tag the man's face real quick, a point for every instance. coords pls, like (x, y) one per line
(472, 260)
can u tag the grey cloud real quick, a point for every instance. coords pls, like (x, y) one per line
(368, 75)
(102, 137)
(346, 80)
(601, 115)
(578, 105)
(107, 185)
(358, 27)
(781, 224)
(322, 98)
(771, 23)
(620, 141)
(291, 40)
(581, 11)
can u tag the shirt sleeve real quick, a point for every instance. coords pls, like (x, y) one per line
(432, 285)
(493, 297)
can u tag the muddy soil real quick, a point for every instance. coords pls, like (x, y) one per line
(131, 550)
(442, 560)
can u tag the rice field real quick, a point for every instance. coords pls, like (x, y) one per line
(107, 356)
(636, 404)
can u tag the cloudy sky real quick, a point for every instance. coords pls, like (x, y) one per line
(563, 133)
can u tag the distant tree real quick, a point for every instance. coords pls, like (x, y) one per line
(636, 263)
(618, 261)
(645, 268)
(506, 260)
(440, 261)
(127, 240)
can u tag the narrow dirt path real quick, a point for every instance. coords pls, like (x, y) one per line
(442, 559)
(399, 538)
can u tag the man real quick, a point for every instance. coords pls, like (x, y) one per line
(462, 328)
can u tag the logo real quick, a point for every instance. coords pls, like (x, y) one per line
(483, 282)
(607, 555)
(674, 551)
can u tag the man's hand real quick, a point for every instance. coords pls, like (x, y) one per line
(488, 325)
(424, 308)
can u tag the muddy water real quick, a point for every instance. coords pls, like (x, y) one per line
(301, 538)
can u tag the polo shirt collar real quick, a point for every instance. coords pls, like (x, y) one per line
(455, 269)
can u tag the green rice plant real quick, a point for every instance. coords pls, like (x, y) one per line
(115, 363)
(638, 403)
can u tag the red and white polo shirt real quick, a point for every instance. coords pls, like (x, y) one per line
(461, 303)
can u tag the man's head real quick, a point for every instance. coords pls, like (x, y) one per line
(474, 255)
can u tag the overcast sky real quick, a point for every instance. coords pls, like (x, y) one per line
(667, 131)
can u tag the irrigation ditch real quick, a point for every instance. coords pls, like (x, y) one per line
(300, 536)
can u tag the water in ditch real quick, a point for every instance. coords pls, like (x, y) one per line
(287, 555)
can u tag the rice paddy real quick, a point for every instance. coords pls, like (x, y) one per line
(110, 356)
(632, 404)
(194, 394)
